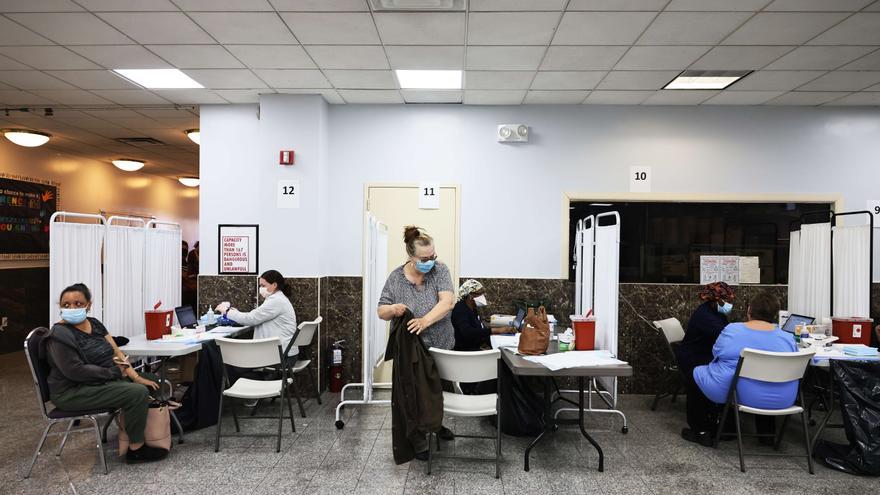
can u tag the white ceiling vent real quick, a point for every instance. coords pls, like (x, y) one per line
(418, 5)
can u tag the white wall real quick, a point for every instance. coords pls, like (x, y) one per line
(512, 194)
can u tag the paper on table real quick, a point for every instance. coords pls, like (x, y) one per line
(504, 340)
(575, 359)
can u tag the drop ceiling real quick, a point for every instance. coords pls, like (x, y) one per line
(57, 53)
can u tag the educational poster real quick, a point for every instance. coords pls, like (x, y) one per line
(749, 270)
(238, 247)
(26, 205)
(719, 269)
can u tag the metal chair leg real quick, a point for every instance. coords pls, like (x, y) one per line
(807, 442)
(235, 417)
(430, 454)
(721, 425)
(780, 434)
(497, 439)
(315, 384)
(99, 443)
(64, 438)
(107, 427)
(39, 448)
(295, 387)
(219, 421)
(280, 418)
(739, 438)
(290, 411)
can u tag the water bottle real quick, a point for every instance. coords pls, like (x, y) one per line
(211, 317)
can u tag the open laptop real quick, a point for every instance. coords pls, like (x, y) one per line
(186, 317)
(795, 320)
(520, 318)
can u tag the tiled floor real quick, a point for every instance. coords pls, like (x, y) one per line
(319, 459)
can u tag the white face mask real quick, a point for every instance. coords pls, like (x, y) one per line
(481, 301)
(264, 292)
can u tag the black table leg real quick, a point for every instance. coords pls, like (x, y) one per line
(548, 420)
(581, 423)
(171, 413)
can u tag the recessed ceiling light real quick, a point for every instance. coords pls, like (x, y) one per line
(418, 5)
(429, 79)
(128, 165)
(706, 79)
(194, 135)
(189, 181)
(24, 137)
(159, 78)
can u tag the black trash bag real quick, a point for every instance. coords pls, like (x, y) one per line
(521, 410)
(859, 385)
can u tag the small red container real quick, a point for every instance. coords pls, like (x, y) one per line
(158, 323)
(852, 330)
(584, 332)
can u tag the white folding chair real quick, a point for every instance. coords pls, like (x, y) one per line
(469, 367)
(673, 333)
(774, 367)
(252, 354)
(305, 335)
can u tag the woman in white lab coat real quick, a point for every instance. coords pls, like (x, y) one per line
(275, 317)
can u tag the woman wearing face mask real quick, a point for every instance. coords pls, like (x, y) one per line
(470, 332)
(87, 371)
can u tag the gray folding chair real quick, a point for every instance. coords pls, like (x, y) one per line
(39, 372)
(305, 335)
(775, 367)
(673, 333)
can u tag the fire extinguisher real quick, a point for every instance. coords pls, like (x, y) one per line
(334, 362)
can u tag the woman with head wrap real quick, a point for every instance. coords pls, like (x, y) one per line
(470, 332)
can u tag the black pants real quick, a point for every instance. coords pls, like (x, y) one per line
(703, 414)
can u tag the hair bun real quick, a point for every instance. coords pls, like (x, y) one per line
(410, 233)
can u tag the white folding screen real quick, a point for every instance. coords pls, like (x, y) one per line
(584, 252)
(375, 329)
(810, 272)
(852, 277)
(795, 285)
(607, 270)
(74, 257)
(124, 277)
(162, 270)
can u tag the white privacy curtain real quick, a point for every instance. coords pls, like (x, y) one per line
(606, 289)
(795, 286)
(162, 267)
(809, 272)
(852, 277)
(375, 330)
(75, 256)
(124, 280)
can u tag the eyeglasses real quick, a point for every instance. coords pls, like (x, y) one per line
(429, 258)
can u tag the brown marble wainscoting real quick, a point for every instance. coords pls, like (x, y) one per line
(557, 295)
(341, 307)
(240, 290)
(24, 302)
(304, 294)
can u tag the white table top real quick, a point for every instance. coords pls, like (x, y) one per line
(140, 346)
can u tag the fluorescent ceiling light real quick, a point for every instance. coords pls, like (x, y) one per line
(429, 79)
(189, 181)
(159, 78)
(194, 135)
(24, 137)
(418, 5)
(128, 165)
(705, 79)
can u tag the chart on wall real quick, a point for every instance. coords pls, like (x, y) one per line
(26, 205)
(239, 248)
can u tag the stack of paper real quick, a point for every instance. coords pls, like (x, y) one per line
(575, 359)
(860, 351)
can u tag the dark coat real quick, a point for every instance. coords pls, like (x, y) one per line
(416, 390)
(470, 333)
(68, 365)
(703, 330)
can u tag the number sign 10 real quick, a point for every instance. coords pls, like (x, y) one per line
(640, 179)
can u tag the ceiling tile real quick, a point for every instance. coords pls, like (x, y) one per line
(31, 79)
(504, 57)
(348, 57)
(15, 97)
(843, 81)
(774, 80)
(72, 28)
(617, 5)
(660, 57)
(242, 95)
(330, 95)
(511, 28)
(566, 80)
(617, 97)
(226, 78)
(723, 5)
(601, 28)
(47, 57)
(582, 57)
(190, 96)
(505, 97)
(272, 56)
(868, 62)
(334, 28)
(860, 99)
(859, 29)
(367, 96)
(131, 96)
(626, 80)
(555, 97)
(158, 27)
(806, 98)
(71, 96)
(362, 79)
(14, 34)
(128, 5)
(320, 5)
(227, 5)
(818, 5)
(121, 56)
(39, 6)
(93, 79)
(819, 57)
(519, 5)
(425, 57)
(406, 28)
(679, 97)
(691, 28)
(739, 57)
(245, 28)
(783, 28)
(728, 97)
(7, 63)
(498, 79)
(197, 56)
(293, 78)
(431, 96)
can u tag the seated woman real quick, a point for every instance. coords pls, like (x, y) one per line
(713, 380)
(470, 332)
(87, 371)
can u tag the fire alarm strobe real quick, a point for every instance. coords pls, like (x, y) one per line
(286, 157)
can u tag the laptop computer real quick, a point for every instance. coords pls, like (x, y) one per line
(520, 318)
(186, 317)
(795, 320)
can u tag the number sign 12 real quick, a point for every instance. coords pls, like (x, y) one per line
(288, 192)
(640, 179)
(874, 208)
(429, 196)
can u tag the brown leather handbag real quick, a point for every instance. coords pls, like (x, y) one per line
(535, 336)
(158, 430)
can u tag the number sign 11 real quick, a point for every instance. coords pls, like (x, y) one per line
(288, 192)
(429, 196)
(640, 179)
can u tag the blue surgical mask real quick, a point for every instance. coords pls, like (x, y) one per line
(74, 315)
(424, 266)
(725, 308)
